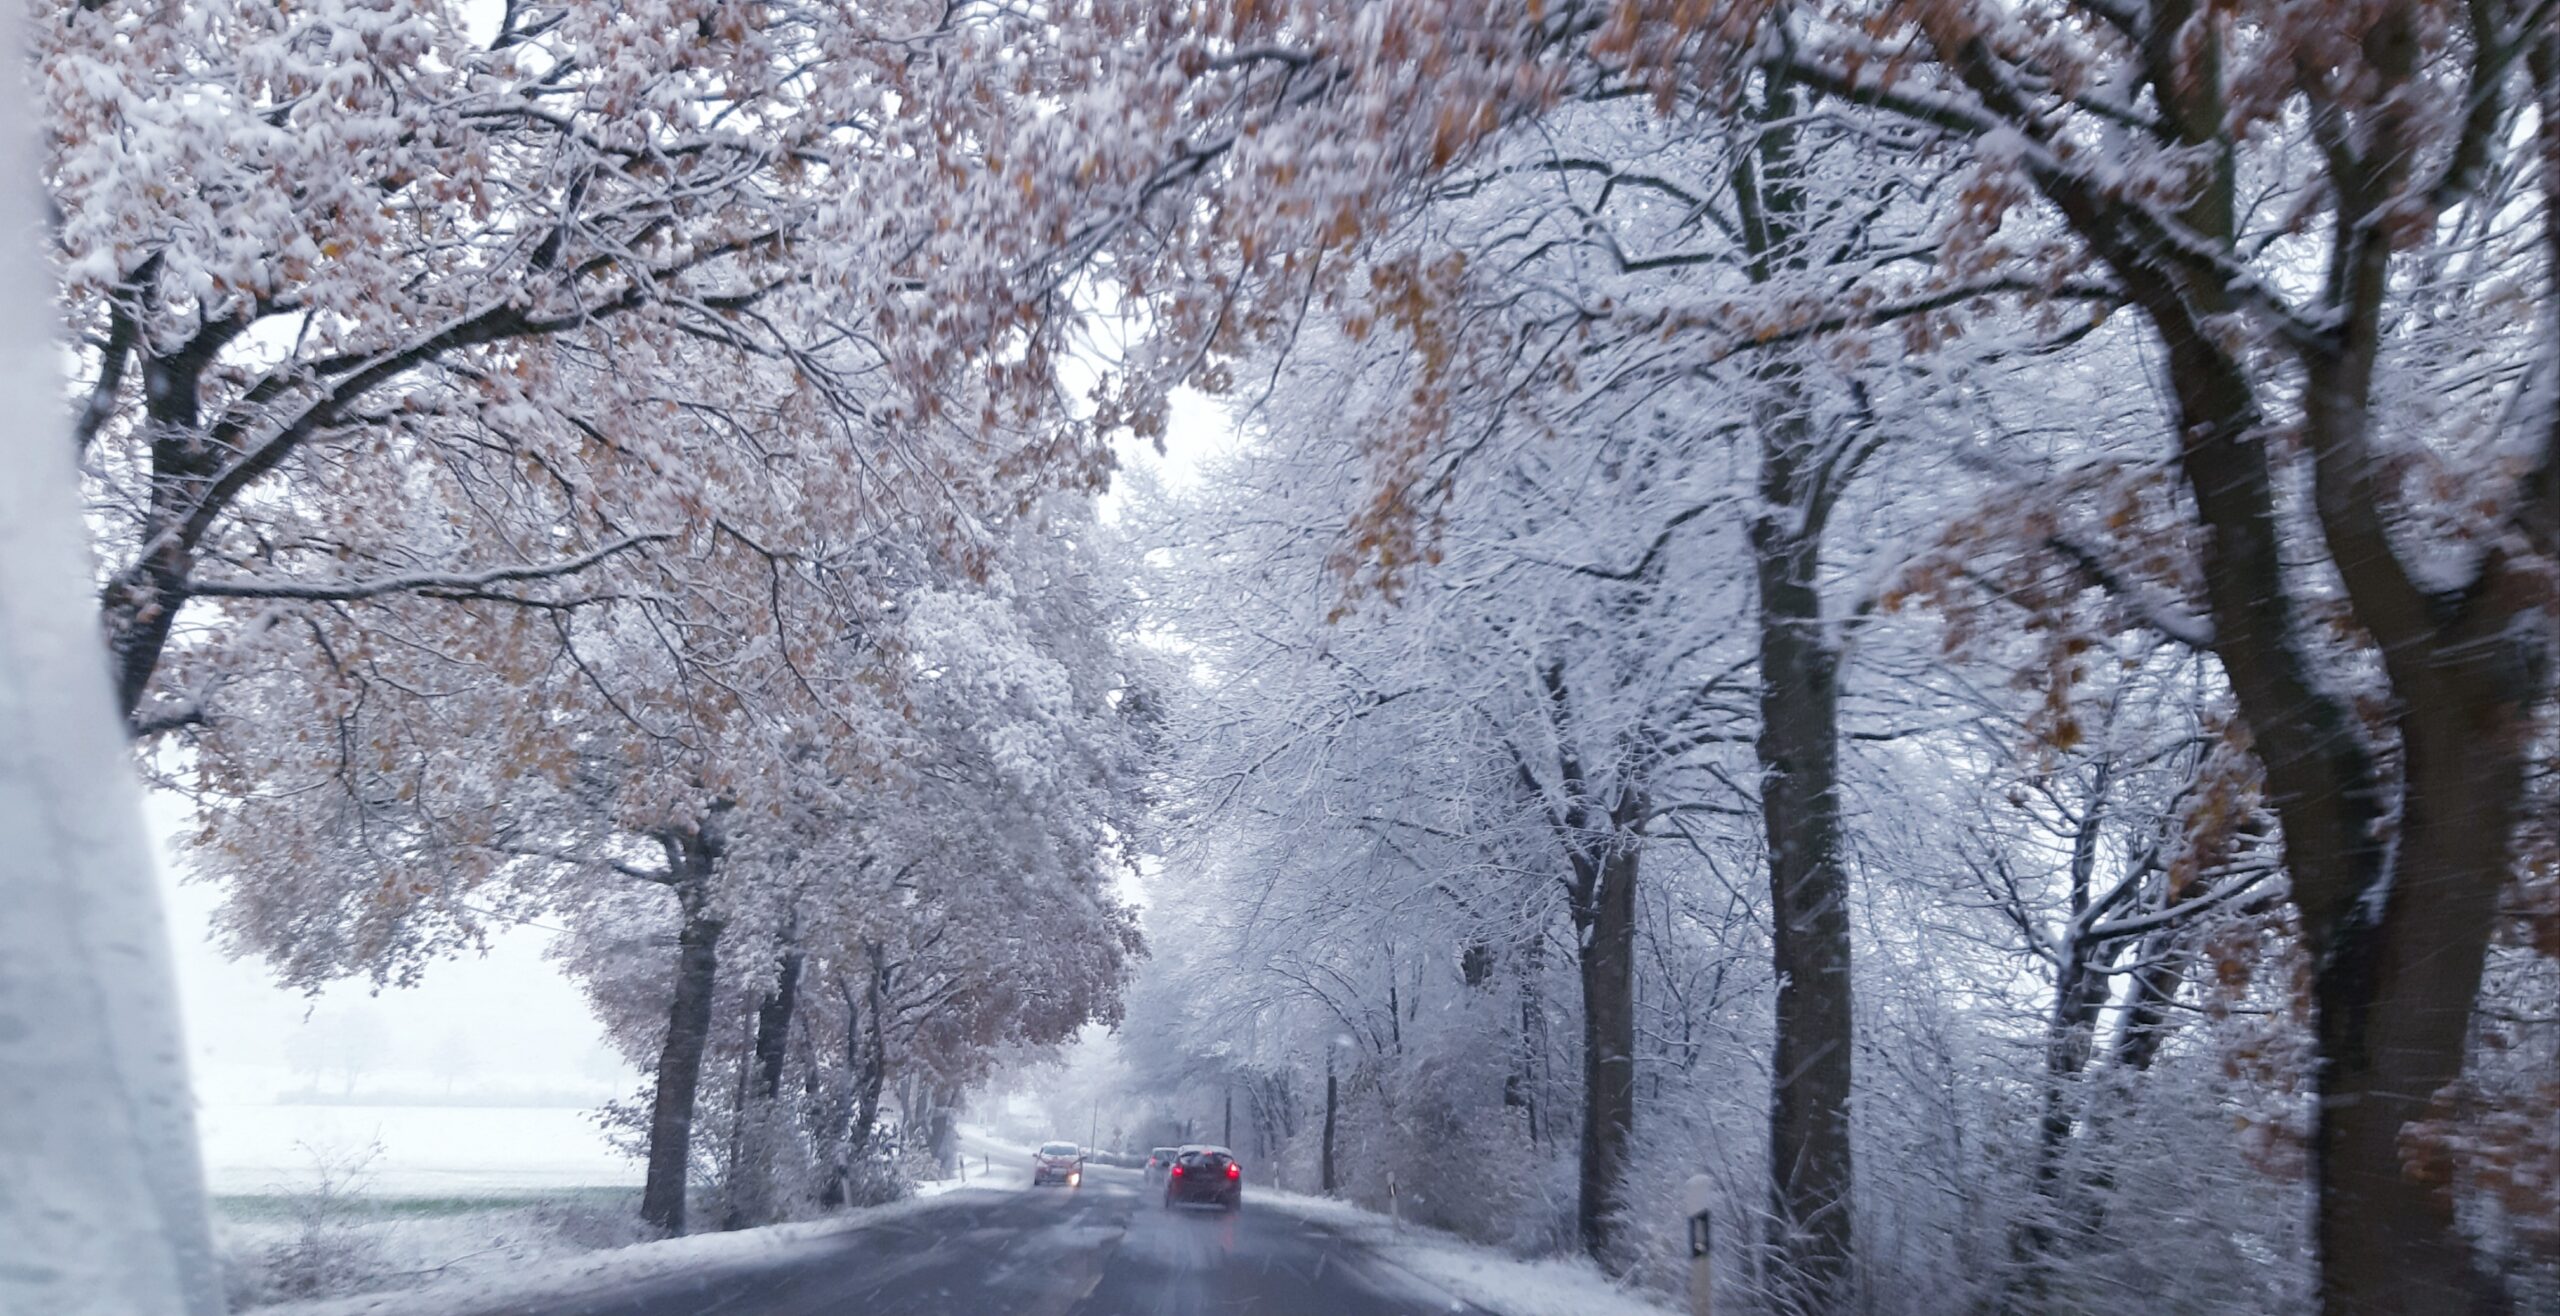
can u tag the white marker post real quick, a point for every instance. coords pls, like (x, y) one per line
(1702, 1262)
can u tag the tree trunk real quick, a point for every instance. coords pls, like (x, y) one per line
(941, 1142)
(1332, 1103)
(662, 1197)
(1810, 1159)
(2397, 928)
(866, 1064)
(773, 1026)
(874, 1069)
(142, 604)
(1607, 922)
(2080, 988)
(1801, 471)
(1529, 1077)
(752, 1201)
(2395, 997)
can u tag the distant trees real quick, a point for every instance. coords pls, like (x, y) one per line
(2316, 237)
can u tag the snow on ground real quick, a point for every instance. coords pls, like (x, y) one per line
(1471, 1272)
(985, 1160)
(423, 1150)
(467, 1201)
(534, 1277)
(487, 1241)
(278, 1247)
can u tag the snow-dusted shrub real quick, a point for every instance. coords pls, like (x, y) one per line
(326, 1249)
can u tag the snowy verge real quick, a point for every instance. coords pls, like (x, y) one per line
(1471, 1272)
(514, 1282)
(985, 1161)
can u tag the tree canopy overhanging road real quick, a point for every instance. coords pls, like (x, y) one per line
(1934, 623)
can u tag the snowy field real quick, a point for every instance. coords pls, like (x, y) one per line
(422, 1150)
(316, 1202)
(340, 1199)
(550, 1270)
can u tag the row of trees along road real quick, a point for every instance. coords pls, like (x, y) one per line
(607, 463)
(1940, 610)
(2190, 366)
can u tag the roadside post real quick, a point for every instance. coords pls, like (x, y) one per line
(1395, 1213)
(1702, 1269)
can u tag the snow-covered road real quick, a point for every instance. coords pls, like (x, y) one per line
(1008, 1250)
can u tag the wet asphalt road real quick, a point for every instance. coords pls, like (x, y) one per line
(1106, 1249)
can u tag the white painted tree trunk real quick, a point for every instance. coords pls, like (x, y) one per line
(101, 1198)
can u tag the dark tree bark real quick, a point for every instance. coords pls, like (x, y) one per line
(1523, 1085)
(1810, 1160)
(1332, 1104)
(1603, 850)
(773, 1025)
(1811, 1163)
(2395, 866)
(942, 1129)
(874, 1069)
(142, 604)
(752, 1202)
(1606, 918)
(691, 855)
(2079, 997)
(867, 1061)
(2398, 933)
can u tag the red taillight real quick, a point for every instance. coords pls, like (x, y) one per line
(1235, 1171)
(1177, 1172)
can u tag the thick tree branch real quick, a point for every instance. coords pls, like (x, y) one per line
(245, 587)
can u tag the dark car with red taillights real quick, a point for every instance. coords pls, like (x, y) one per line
(1204, 1176)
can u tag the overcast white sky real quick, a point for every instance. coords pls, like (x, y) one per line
(510, 1016)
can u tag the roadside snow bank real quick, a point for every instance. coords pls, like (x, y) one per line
(510, 1280)
(1468, 1271)
(300, 1246)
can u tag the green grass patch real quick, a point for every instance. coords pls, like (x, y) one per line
(287, 1206)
